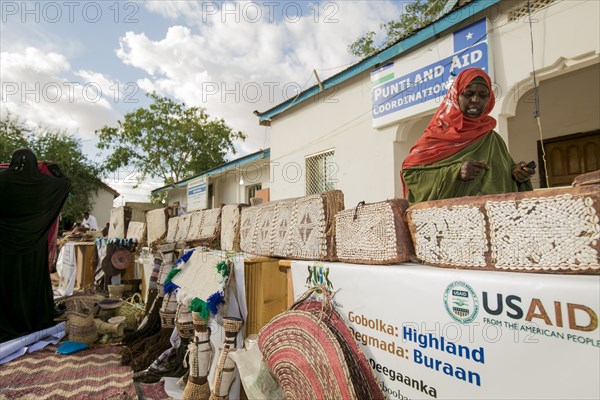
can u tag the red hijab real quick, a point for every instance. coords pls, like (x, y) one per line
(449, 131)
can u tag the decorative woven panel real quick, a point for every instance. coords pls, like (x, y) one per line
(312, 227)
(374, 233)
(137, 231)
(119, 221)
(550, 231)
(210, 233)
(195, 226)
(280, 229)
(199, 276)
(172, 229)
(183, 227)
(264, 219)
(230, 226)
(248, 229)
(156, 221)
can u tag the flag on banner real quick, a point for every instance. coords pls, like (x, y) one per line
(470, 35)
(383, 74)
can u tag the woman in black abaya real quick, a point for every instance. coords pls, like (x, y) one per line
(29, 204)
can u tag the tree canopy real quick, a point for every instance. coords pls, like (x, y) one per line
(63, 149)
(168, 140)
(414, 16)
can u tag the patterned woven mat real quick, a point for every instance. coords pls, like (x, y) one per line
(152, 391)
(86, 375)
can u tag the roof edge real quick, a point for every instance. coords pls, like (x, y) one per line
(258, 155)
(427, 32)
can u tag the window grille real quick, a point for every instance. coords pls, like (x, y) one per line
(522, 12)
(321, 173)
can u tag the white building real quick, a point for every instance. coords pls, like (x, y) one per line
(102, 203)
(236, 181)
(355, 134)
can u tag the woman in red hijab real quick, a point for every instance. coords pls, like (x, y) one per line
(459, 154)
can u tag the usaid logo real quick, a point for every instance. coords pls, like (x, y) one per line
(461, 302)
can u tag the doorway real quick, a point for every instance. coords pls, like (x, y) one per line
(569, 156)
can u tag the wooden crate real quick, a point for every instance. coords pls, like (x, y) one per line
(266, 291)
(85, 261)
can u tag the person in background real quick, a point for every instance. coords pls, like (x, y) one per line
(89, 221)
(105, 230)
(460, 154)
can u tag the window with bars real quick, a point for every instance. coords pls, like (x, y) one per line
(321, 172)
(522, 11)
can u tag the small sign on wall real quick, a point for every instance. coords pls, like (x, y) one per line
(197, 194)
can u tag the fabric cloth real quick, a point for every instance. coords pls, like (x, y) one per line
(90, 222)
(48, 169)
(440, 180)
(431, 170)
(29, 205)
(66, 269)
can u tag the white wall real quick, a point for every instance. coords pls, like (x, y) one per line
(227, 185)
(569, 103)
(339, 120)
(102, 203)
(566, 38)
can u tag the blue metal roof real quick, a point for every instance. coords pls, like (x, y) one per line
(247, 159)
(424, 34)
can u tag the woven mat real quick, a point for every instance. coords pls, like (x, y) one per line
(152, 391)
(86, 375)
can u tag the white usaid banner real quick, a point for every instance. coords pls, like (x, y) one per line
(418, 82)
(196, 194)
(435, 333)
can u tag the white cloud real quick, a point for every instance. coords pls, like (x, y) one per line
(37, 88)
(233, 63)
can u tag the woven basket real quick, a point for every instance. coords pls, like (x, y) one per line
(77, 302)
(81, 326)
(133, 311)
(116, 291)
(374, 233)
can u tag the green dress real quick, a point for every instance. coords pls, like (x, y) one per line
(440, 180)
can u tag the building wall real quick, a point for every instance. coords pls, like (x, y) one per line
(227, 185)
(102, 203)
(369, 159)
(569, 103)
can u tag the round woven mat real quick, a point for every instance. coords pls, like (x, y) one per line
(121, 259)
(305, 357)
(365, 383)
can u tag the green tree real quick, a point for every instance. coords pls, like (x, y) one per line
(61, 148)
(168, 140)
(415, 15)
(13, 135)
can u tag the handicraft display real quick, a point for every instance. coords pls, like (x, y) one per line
(156, 221)
(230, 226)
(551, 231)
(374, 233)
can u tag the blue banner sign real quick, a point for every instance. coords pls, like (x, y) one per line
(390, 94)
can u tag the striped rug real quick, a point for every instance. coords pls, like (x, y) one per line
(86, 375)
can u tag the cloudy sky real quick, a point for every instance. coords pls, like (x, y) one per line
(80, 65)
